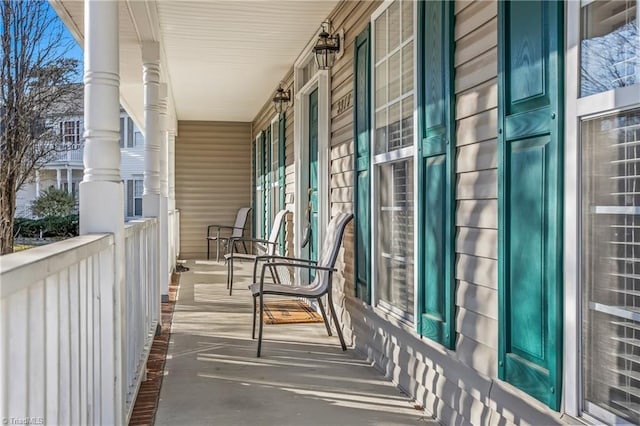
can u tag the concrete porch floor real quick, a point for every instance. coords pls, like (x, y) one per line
(212, 375)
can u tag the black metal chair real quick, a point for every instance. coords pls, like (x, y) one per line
(237, 231)
(270, 247)
(320, 286)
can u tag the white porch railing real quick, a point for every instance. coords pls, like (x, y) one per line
(174, 237)
(72, 347)
(142, 302)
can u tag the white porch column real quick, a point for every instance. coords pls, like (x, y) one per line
(172, 169)
(151, 202)
(151, 79)
(37, 183)
(69, 180)
(58, 178)
(101, 195)
(164, 193)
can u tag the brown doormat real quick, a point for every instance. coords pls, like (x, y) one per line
(289, 312)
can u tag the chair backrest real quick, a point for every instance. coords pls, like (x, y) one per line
(275, 231)
(241, 221)
(331, 248)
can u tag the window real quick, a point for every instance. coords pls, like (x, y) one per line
(392, 71)
(609, 45)
(70, 132)
(134, 197)
(138, 139)
(611, 263)
(122, 129)
(127, 130)
(603, 336)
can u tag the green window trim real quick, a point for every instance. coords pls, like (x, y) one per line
(436, 172)
(530, 134)
(361, 167)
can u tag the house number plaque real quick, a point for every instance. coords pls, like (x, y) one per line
(344, 103)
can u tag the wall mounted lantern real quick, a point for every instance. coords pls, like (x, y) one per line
(282, 99)
(327, 47)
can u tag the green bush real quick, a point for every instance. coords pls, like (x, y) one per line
(54, 202)
(51, 226)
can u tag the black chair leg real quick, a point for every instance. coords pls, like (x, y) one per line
(335, 319)
(261, 324)
(253, 330)
(324, 316)
(228, 262)
(230, 274)
(208, 248)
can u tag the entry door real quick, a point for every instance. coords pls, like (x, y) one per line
(312, 190)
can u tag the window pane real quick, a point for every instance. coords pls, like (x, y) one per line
(394, 76)
(381, 84)
(394, 26)
(407, 68)
(138, 207)
(121, 132)
(394, 137)
(407, 121)
(381, 36)
(407, 20)
(129, 132)
(609, 46)
(381, 132)
(395, 235)
(611, 263)
(139, 140)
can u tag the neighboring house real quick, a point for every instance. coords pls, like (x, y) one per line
(492, 270)
(66, 169)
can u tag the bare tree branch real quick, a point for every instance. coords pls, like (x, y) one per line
(36, 84)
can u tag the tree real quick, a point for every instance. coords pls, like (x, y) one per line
(35, 87)
(54, 202)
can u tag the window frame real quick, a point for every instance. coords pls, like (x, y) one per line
(387, 158)
(577, 110)
(72, 138)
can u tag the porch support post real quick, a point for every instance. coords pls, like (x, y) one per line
(172, 168)
(69, 180)
(37, 183)
(164, 194)
(102, 197)
(151, 79)
(152, 141)
(58, 178)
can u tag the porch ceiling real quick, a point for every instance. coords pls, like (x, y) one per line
(222, 59)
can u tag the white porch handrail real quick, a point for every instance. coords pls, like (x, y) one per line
(58, 310)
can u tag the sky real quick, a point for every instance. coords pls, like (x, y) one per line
(76, 50)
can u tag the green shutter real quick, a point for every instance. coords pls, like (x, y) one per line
(362, 117)
(436, 172)
(282, 128)
(263, 183)
(530, 197)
